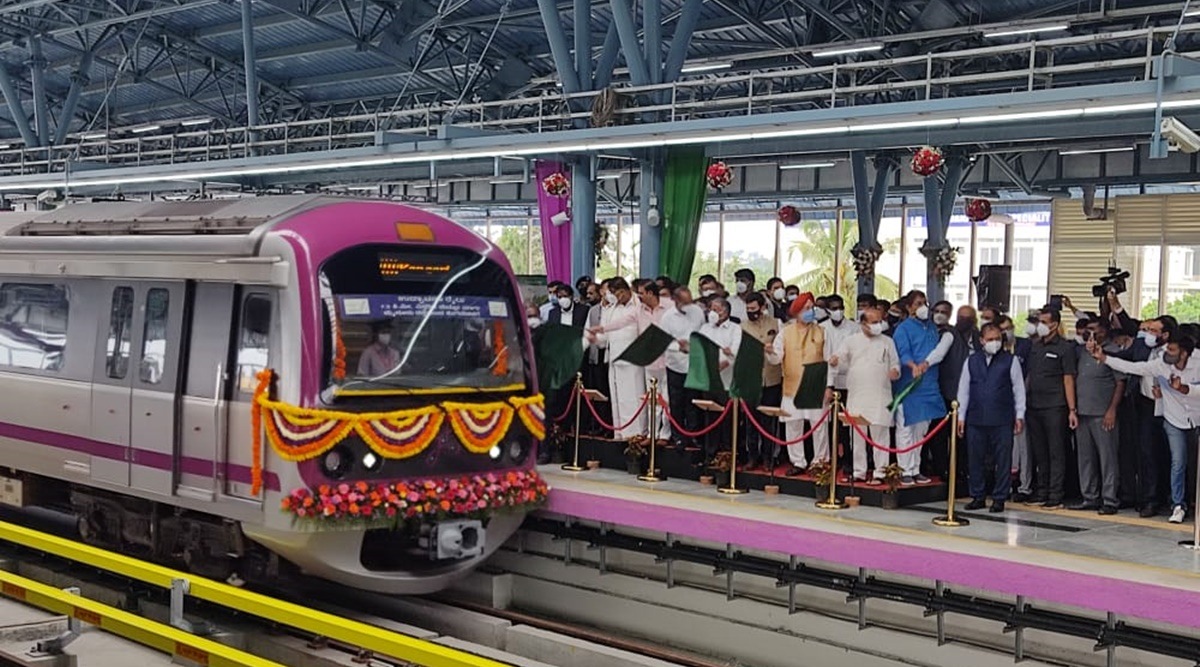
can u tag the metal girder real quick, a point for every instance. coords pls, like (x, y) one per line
(652, 40)
(557, 38)
(622, 15)
(607, 61)
(582, 18)
(12, 100)
(752, 22)
(249, 65)
(689, 16)
(78, 80)
(41, 105)
(817, 8)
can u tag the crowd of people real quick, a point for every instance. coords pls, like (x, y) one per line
(1105, 419)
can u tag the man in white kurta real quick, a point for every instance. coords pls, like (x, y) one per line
(871, 364)
(728, 337)
(649, 311)
(626, 382)
(801, 343)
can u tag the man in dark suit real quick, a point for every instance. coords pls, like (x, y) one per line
(567, 312)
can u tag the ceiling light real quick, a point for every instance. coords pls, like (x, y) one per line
(195, 121)
(610, 176)
(704, 67)
(906, 124)
(1192, 12)
(1028, 30)
(93, 135)
(4, 147)
(145, 128)
(808, 165)
(508, 180)
(1021, 115)
(845, 50)
(1090, 151)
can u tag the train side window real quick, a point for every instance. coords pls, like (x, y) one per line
(253, 340)
(33, 325)
(120, 324)
(154, 336)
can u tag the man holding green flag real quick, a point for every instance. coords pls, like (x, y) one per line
(710, 367)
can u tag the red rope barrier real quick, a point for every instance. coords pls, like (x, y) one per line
(686, 433)
(591, 408)
(788, 443)
(928, 436)
(570, 402)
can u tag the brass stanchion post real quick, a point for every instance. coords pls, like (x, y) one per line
(574, 466)
(832, 502)
(650, 475)
(950, 520)
(735, 405)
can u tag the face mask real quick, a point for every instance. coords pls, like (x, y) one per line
(876, 329)
(792, 297)
(991, 347)
(941, 319)
(742, 287)
(754, 316)
(820, 313)
(779, 294)
(1149, 338)
(707, 292)
(564, 302)
(534, 322)
(923, 312)
(1043, 329)
(384, 339)
(1031, 328)
(884, 326)
(859, 314)
(610, 299)
(983, 322)
(837, 314)
(1171, 359)
(808, 317)
(713, 318)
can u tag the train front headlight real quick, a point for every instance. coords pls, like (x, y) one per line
(337, 462)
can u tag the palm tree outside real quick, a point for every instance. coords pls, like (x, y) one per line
(817, 248)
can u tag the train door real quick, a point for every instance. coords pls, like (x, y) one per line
(252, 354)
(204, 404)
(112, 386)
(157, 343)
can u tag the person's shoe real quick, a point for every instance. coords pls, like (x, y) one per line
(1148, 511)
(1106, 510)
(1177, 514)
(1052, 505)
(1078, 507)
(1020, 497)
(922, 479)
(907, 480)
(795, 471)
(976, 504)
(997, 507)
(1035, 501)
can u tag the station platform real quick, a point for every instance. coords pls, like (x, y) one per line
(1125, 565)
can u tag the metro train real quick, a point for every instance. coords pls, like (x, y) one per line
(252, 388)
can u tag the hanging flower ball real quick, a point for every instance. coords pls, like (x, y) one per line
(788, 215)
(979, 210)
(865, 258)
(719, 175)
(556, 185)
(927, 161)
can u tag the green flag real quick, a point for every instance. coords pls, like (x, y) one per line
(647, 348)
(748, 371)
(811, 394)
(704, 368)
(558, 351)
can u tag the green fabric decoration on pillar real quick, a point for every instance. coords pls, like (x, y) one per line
(684, 194)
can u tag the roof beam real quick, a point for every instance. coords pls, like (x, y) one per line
(15, 109)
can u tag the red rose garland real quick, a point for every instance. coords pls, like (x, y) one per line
(556, 185)
(788, 215)
(978, 210)
(719, 175)
(927, 161)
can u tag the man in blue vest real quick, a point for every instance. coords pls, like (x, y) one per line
(921, 347)
(991, 408)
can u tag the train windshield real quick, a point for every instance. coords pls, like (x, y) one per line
(404, 319)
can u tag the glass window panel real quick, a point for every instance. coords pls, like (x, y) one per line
(253, 339)
(537, 256)
(33, 325)
(607, 267)
(512, 238)
(120, 326)
(1031, 273)
(749, 244)
(1183, 285)
(707, 242)
(631, 247)
(1142, 297)
(887, 269)
(154, 336)
(809, 252)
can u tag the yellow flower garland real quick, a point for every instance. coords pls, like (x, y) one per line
(398, 434)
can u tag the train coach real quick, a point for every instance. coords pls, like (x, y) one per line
(245, 387)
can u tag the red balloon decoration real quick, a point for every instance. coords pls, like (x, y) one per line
(978, 210)
(788, 215)
(719, 175)
(927, 161)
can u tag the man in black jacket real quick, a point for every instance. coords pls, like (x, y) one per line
(567, 312)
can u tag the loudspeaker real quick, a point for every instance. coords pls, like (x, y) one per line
(993, 287)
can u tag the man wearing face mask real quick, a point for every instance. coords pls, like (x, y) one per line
(777, 298)
(1143, 450)
(864, 302)
(988, 315)
(564, 310)
(991, 400)
(966, 328)
(764, 327)
(1052, 368)
(380, 358)
(871, 365)
(708, 286)
(801, 344)
(744, 287)
(922, 349)
(626, 382)
(789, 295)
(551, 296)
(1099, 389)
(728, 338)
(837, 329)
(681, 322)
(963, 343)
(1175, 374)
(595, 360)
(896, 313)
(821, 309)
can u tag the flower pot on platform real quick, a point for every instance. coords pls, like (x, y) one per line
(771, 489)
(889, 501)
(558, 455)
(593, 465)
(722, 478)
(633, 466)
(852, 501)
(707, 480)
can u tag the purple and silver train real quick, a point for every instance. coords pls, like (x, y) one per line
(250, 387)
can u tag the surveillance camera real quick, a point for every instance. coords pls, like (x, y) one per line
(1179, 136)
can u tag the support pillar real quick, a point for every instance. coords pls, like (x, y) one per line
(583, 43)
(37, 74)
(650, 184)
(939, 205)
(559, 50)
(78, 81)
(869, 205)
(583, 218)
(15, 109)
(622, 16)
(249, 63)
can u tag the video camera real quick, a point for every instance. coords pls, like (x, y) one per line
(1114, 281)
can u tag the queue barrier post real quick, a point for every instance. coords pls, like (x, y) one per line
(574, 466)
(832, 502)
(652, 403)
(949, 520)
(733, 489)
